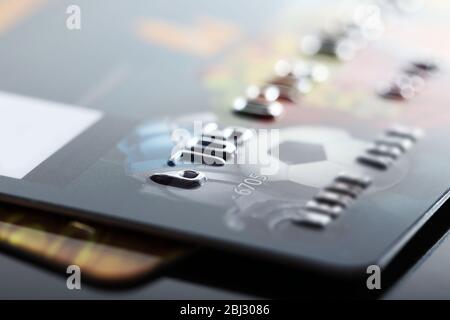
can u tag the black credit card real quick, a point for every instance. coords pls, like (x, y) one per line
(107, 256)
(312, 133)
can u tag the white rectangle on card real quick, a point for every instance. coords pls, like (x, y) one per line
(31, 130)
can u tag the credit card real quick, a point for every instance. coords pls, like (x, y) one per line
(426, 277)
(309, 133)
(105, 255)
